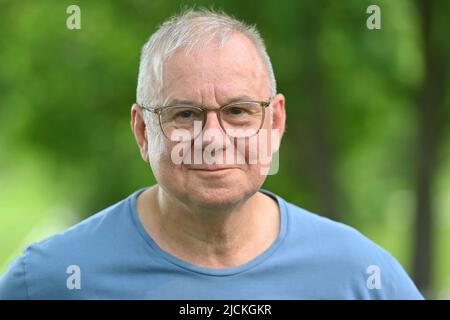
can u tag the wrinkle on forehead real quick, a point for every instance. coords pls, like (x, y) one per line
(235, 68)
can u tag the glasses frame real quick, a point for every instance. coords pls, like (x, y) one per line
(158, 110)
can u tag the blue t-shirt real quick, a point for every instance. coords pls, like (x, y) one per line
(111, 256)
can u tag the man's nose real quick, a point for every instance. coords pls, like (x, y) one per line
(212, 121)
(212, 130)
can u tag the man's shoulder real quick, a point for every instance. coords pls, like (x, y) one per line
(88, 231)
(327, 232)
(306, 227)
(345, 252)
(50, 260)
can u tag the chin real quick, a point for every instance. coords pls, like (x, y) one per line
(211, 191)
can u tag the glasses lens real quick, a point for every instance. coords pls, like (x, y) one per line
(178, 122)
(242, 120)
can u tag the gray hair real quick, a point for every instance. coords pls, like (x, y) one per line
(188, 30)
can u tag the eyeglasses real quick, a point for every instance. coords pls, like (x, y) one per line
(242, 119)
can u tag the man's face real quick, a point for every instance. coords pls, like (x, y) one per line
(212, 76)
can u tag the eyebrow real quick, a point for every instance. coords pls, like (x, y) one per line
(193, 103)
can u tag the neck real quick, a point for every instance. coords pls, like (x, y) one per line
(209, 237)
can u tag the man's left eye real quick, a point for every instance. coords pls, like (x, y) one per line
(236, 111)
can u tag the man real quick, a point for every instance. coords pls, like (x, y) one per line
(206, 89)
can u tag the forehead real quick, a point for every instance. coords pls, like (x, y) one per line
(235, 68)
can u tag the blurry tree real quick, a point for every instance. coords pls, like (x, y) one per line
(432, 119)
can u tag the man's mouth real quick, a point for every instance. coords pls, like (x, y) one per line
(210, 168)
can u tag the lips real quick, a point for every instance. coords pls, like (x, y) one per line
(210, 168)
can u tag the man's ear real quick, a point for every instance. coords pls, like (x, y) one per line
(278, 117)
(138, 128)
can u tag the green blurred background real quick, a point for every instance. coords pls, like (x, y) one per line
(367, 141)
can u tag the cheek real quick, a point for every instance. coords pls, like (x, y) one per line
(163, 158)
(163, 163)
(156, 145)
(258, 149)
(155, 151)
(165, 172)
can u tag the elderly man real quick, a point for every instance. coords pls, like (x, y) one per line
(206, 104)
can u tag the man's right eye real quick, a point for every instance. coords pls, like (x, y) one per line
(186, 114)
